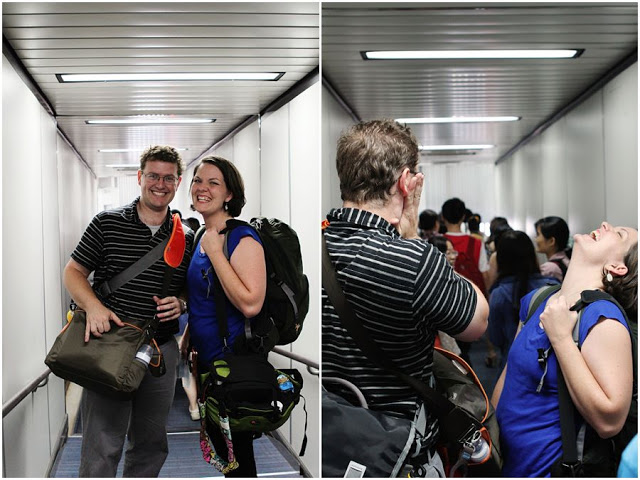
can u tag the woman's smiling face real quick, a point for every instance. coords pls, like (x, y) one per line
(208, 190)
(607, 243)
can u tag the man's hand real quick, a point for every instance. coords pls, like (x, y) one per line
(169, 308)
(98, 319)
(407, 224)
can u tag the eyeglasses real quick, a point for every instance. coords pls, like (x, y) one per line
(155, 178)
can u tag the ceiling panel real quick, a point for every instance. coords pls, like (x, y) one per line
(53, 38)
(532, 89)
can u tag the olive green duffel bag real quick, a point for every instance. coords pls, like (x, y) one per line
(106, 364)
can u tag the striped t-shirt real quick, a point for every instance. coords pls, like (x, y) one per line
(116, 239)
(403, 291)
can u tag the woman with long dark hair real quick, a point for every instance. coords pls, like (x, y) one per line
(518, 274)
(552, 236)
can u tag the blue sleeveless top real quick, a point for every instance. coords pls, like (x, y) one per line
(529, 421)
(203, 321)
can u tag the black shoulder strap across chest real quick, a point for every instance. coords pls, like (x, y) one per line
(107, 288)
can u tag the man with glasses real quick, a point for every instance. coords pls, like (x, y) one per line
(401, 288)
(114, 240)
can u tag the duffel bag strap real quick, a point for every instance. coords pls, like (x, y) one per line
(105, 289)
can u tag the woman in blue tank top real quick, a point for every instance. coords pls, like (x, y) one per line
(599, 376)
(217, 193)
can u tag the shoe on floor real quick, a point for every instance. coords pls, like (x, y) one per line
(195, 414)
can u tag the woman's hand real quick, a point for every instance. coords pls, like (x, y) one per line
(557, 320)
(212, 242)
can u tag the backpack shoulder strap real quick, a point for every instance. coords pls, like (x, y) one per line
(198, 236)
(561, 266)
(572, 447)
(540, 296)
(218, 292)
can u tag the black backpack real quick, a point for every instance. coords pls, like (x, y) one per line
(287, 298)
(588, 455)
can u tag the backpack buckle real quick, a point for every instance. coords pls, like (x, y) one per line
(573, 469)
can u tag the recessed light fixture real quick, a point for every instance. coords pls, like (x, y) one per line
(162, 77)
(457, 119)
(143, 120)
(123, 150)
(454, 147)
(468, 54)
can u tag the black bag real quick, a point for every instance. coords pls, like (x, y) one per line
(107, 364)
(457, 382)
(248, 390)
(585, 454)
(287, 298)
(362, 442)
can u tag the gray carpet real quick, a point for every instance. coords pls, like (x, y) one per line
(185, 458)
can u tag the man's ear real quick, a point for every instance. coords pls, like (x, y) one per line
(403, 182)
(139, 176)
(616, 269)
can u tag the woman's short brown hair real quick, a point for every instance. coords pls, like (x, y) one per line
(371, 157)
(625, 288)
(232, 179)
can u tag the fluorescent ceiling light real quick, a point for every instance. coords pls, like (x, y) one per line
(123, 150)
(125, 165)
(468, 54)
(150, 120)
(151, 77)
(457, 119)
(454, 147)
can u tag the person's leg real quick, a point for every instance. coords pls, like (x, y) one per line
(104, 428)
(189, 386)
(148, 446)
(242, 449)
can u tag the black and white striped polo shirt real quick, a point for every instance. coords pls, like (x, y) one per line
(116, 239)
(403, 291)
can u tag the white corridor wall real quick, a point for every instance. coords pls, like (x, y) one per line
(34, 204)
(583, 168)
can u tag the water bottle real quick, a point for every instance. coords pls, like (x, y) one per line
(284, 383)
(144, 353)
(481, 450)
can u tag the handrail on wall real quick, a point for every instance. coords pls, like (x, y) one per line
(312, 367)
(35, 384)
(41, 380)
